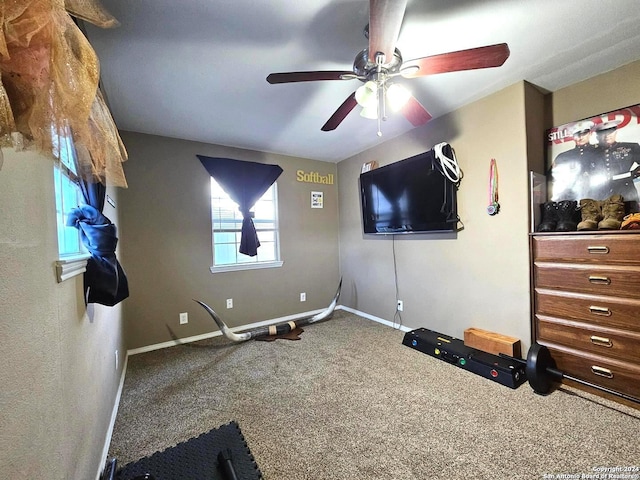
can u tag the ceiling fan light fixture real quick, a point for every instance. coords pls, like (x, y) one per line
(366, 95)
(370, 112)
(397, 96)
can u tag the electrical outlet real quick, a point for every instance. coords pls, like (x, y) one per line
(400, 306)
(229, 302)
(116, 360)
(184, 318)
(303, 297)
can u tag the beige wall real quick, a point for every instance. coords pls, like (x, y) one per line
(603, 93)
(58, 376)
(479, 278)
(166, 243)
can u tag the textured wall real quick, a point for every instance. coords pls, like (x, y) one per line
(603, 93)
(478, 278)
(58, 375)
(481, 278)
(166, 243)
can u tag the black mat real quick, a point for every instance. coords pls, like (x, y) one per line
(197, 458)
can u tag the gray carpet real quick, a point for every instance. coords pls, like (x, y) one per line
(349, 401)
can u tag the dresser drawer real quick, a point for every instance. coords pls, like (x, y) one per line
(596, 248)
(605, 342)
(602, 311)
(610, 280)
(609, 373)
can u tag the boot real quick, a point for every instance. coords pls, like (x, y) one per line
(631, 222)
(591, 214)
(549, 217)
(612, 213)
(568, 216)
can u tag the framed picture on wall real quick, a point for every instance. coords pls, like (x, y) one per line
(317, 199)
(596, 158)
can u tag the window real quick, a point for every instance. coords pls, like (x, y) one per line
(67, 197)
(226, 222)
(71, 252)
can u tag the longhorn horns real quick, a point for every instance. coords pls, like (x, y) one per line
(277, 329)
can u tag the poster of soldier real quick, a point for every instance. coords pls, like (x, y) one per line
(596, 158)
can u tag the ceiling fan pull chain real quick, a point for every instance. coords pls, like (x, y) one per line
(380, 108)
(380, 79)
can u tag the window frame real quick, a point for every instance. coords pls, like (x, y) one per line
(70, 264)
(249, 265)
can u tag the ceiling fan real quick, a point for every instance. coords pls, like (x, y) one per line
(378, 64)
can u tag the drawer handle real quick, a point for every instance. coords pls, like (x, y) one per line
(600, 311)
(601, 341)
(598, 249)
(603, 372)
(599, 280)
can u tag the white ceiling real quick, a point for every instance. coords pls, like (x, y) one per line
(196, 69)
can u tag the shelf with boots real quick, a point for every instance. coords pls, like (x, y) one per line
(587, 215)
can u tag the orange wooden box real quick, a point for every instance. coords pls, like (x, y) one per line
(492, 342)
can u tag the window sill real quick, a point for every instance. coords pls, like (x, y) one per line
(70, 267)
(243, 266)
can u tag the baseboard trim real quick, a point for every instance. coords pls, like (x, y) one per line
(205, 336)
(374, 318)
(217, 333)
(112, 423)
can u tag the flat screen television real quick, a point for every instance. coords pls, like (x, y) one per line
(408, 196)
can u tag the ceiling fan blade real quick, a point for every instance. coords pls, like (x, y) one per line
(473, 58)
(385, 20)
(340, 114)
(415, 112)
(290, 77)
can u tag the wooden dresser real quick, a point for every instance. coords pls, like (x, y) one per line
(586, 305)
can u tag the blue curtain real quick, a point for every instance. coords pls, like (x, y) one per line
(245, 183)
(104, 281)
